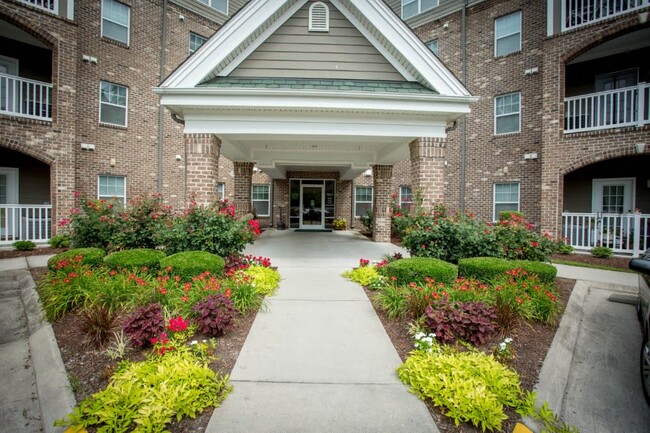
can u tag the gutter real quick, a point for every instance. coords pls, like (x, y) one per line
(463, 130)
(161, 109)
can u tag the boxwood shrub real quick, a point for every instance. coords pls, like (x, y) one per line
(487, 268)
(135, 259)
(418, 268)
(189, 264)
(89, 256)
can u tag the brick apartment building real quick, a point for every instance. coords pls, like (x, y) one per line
(327, 108)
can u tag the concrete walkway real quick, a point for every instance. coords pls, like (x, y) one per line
(318, 359)
(34, 383)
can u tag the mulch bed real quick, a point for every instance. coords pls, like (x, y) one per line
(615, 262)
(10, 254)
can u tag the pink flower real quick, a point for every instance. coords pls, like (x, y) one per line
(177, 324)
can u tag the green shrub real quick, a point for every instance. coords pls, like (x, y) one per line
(213, 229)
(519, 241)
(488, 268)
(148, 395)
(265, 280)
(416, 269)
(601, 252)
(393, 300)
(93, 223)
(189, 264)
(240, 289)
(367, 276)
(562, 247)
(87, 256)
(135, 259)
(527, 295)
(469, 386)
(367, 220)
(60, 241)
(139, 225)
(24, 245)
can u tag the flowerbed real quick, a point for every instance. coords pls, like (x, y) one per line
(154, 322)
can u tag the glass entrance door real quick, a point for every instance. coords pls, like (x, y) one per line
(311, 206)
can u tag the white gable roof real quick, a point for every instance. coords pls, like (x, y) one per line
(249, 28)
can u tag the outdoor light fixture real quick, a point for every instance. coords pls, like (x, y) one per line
(640, 147)
(368, 173)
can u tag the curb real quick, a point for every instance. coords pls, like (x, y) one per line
(55, 396)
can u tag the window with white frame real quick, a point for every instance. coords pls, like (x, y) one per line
(507, 113)
(196, 41)
(405, 197)
(507, 34)
(261, 199)
(414, 7)
(506, 198)
(116, 19)
(433, 46)
(113, 103)
(221, 190)
(112, 188)
(220, 5)
(362, 200)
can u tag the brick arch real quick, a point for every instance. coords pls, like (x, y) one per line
(18, 146)
(599, 156)
(29, 26)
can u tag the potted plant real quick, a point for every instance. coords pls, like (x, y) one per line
(339, 223)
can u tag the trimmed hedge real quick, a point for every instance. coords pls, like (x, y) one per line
(189, 264)
(89, 256)
(418, 268)
(135, 259)
(487, 268)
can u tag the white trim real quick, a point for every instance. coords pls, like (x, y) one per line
(321, 24)
(268, 185)
(550, 16)
(126, 107)
(105, 197)
(10, 61)
(221, 190)
(495, 216)
(13, 188)
(189, 43)
(508, 114)
(128, 24)
(355, 201)
(70, 10)
(401, 198)
(629, 200)
(505, 36)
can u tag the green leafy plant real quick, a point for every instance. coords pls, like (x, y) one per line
(59, 241)
(488, 268)
(466, 321)
(136, 258)
(240, 289)
(24, 245)
(146, 396)
(264, 279)
(92, 223)
(87, 256)
(140, 223)
(470, 386)
(601, 252)
(339, 223)
(416, 269)
(562, 246)
(367, 276)
(504, 352)
(144, 324)
(214, 315)
(526, 294)
(392, 299)
(367, 220)
(189, 264)
(519, 240)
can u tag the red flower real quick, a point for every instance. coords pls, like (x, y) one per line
(535, 244)
(177, 324)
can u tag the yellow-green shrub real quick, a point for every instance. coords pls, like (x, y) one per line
(265, 280)
(367, 276)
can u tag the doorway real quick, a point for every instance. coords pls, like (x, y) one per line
(311, 207)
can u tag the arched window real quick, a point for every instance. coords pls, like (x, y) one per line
(319, 17)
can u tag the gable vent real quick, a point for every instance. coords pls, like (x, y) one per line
(319, 17)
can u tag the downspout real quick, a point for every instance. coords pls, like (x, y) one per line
(463, 130)
(161, 109)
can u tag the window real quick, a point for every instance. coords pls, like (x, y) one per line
(507, 113)
(506, 198)
(196, 41)
(221, 190)
(220, 5)
(116, 21)
(112, 188)
(433, 46)
(362, 200)
(414, 7)
(319, 17)
(261, 198)
(405, 197)
(507, 34)
(112, 103)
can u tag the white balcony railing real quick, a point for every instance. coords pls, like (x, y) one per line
(24, 222)
(25, 98)
(618, 108)
(48, 5)
(578, 13)
(624, 233)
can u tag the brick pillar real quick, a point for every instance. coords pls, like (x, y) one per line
(243, 181)
(428, 169)
(202, 167)
(383, 185)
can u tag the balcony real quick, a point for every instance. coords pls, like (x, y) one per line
(47, 5)
(628, 106)
(22, 222)
(622, 233)
(25, 98)
(578, 13)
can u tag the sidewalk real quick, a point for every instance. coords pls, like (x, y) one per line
(318, 359)
(34, 385)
